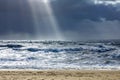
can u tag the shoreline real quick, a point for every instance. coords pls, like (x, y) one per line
(59, 69)
(59, 74)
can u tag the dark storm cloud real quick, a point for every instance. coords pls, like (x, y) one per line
(82, 19)
(15, 17)
(88, 29)
(78, 19)
(82, 9)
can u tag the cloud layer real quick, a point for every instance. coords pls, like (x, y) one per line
(78, 19)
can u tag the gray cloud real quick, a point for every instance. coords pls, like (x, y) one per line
(78, 20)
(15, 17)
(94, 30)
(81, 19)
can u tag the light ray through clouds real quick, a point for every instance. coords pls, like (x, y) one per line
(43, 14)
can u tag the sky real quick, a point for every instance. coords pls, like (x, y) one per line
(76, 19)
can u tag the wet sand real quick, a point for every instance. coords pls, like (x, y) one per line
(59, 75)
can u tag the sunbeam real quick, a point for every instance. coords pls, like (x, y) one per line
(43, 14)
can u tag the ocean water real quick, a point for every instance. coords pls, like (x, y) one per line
(41, 55)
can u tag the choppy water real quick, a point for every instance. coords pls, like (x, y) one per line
(59, 55)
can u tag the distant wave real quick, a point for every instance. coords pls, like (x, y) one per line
(12, 46)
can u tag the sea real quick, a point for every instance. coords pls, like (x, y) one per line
(42, 55)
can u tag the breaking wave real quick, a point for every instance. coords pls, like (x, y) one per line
(59, 55)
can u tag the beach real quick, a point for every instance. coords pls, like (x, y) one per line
(59, 75)
(59, 60)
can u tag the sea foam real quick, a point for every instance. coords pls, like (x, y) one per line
(59, 55)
